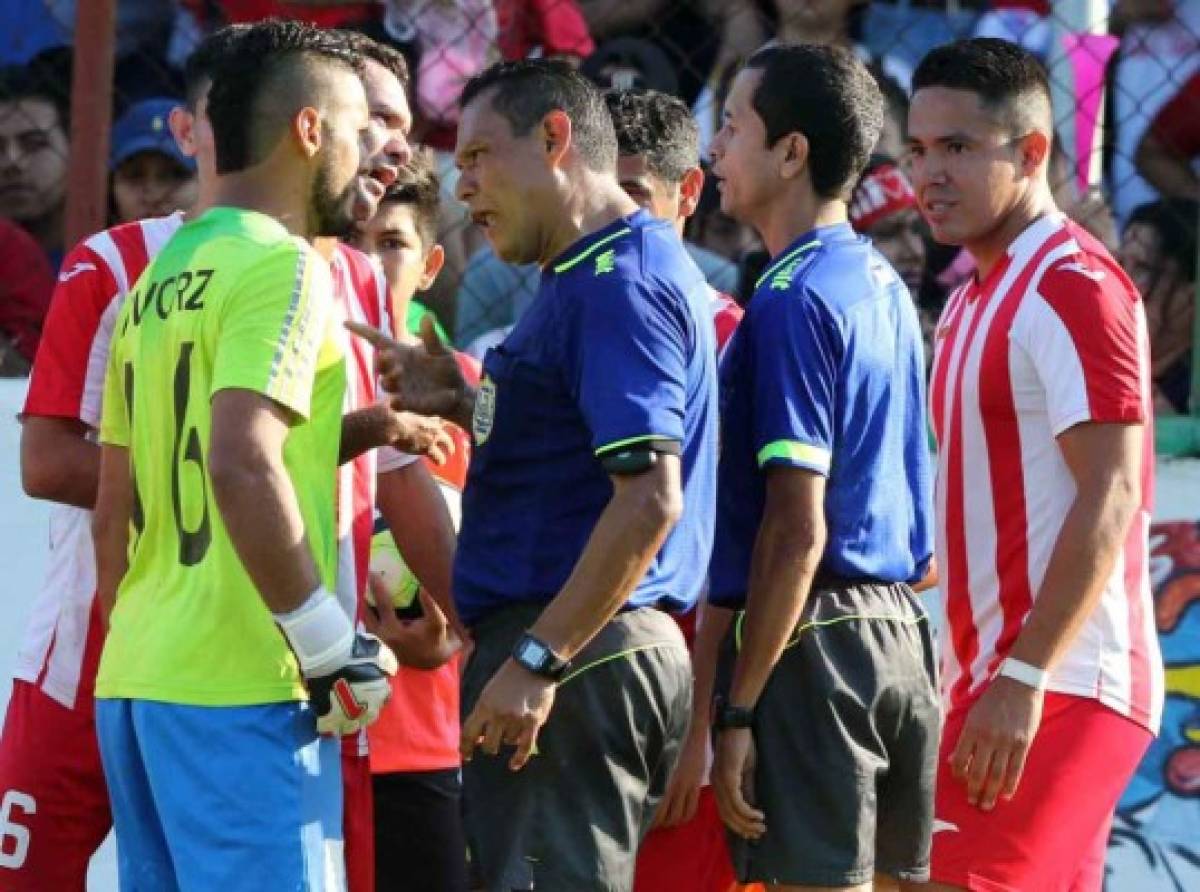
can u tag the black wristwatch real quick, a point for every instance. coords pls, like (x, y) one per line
(726, 716)
(536, 657)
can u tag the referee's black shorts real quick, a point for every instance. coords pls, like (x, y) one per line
(846, 733)
(571, 820)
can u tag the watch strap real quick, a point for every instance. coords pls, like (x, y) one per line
(728, 716)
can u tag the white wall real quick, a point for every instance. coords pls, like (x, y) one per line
(23, 553)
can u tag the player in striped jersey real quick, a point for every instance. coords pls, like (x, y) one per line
(55, 794)
(402, 486)
(1041, 406)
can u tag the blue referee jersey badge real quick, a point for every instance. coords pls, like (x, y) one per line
(485, 410)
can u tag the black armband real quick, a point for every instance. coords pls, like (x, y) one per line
(636, 457)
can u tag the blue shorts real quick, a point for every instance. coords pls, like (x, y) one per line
(222, 798)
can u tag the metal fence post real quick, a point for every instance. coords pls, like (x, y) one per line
(91, 114)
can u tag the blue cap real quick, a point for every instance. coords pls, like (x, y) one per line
(143, 128)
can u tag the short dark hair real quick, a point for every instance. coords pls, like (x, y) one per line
(271, 61)
(840, 114)
(1174, 220)
(658, 127)
(389, 57)
(206, 59)
(525, 92)
(41, 83)
(1008, 79)
(419, 186)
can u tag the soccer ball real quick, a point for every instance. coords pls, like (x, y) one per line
(388, 564)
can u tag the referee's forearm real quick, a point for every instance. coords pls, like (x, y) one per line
(628, 535)
(787, 554)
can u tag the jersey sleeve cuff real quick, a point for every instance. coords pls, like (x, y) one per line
(1129, 413)
(796, 454)
(389, 458)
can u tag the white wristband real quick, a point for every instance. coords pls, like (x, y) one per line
(319, 632)
(1038, 679)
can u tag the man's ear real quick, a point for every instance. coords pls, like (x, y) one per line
(1035, 151)
(181, 121)
(793, 155)
(306, 128)
(690, 188)
(435, 259)
(556, 136)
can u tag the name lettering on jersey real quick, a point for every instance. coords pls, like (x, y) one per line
(174, 294)
(75, 270)
(606, 262)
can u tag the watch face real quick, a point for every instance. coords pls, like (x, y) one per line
(531, 653)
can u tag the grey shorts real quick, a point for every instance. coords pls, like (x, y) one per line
(571, 820)
(846, 733)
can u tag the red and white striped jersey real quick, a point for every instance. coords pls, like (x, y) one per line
(361, 295)
(1053, 337)
(61, 647)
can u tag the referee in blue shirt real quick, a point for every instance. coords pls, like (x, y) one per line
(827, 719)
(594, 426)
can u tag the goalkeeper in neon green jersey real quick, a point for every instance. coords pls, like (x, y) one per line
(215, 520)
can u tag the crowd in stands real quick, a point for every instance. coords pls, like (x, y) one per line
(1145, 207)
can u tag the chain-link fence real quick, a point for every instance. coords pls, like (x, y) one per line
(1124, 74)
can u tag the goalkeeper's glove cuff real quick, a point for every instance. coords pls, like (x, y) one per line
(320, 633)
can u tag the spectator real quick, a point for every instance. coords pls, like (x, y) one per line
(327, 14)
(1167, 153)
(492, 296)
(553, 28)
(34, 122)
(895, 114)
(1025, 22)
(884, 208)
(908, 29)
(819, 22)
(1160, 50)
(151, 177)
(682, 31)
(1158, 251)
(627, 63)
(26, 283)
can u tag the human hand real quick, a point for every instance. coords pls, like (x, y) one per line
(420, 435)
(991, 751)
(425, 643)
(511, 710)
(682, 797)
(733, 783)
(422, 378)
